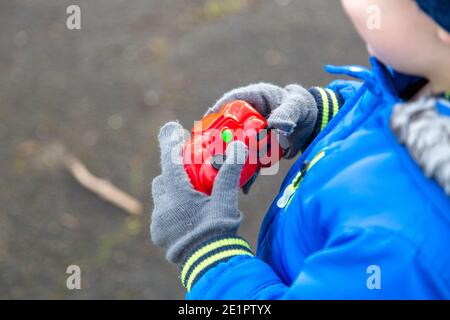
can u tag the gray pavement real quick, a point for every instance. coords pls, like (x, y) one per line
(103, 92)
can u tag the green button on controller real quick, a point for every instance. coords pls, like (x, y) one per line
(227, 135)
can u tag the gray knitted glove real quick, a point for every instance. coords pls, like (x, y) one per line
(182, 217)
(292, 111)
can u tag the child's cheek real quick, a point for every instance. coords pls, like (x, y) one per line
(398, 53)
(367, 17)
(381, 25)
(357, 12)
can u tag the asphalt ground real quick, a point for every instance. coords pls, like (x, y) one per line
(102, 93)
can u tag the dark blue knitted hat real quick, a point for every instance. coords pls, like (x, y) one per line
(439, 10)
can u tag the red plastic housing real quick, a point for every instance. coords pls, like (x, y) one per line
(236, 120)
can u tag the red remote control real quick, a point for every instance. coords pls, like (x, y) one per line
(205, 153)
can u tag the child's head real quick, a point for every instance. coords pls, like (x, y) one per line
(402, 35)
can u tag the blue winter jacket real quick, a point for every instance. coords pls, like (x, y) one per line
(356, 217)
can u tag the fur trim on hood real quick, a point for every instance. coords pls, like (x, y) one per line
(426, 134)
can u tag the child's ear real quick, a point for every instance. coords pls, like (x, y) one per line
(444, 36)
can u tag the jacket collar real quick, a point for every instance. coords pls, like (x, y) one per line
(382, 80)
(422, 126)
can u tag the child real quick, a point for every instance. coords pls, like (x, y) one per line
(364, 213)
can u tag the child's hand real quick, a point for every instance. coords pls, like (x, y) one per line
(291, 110)
(183, 217)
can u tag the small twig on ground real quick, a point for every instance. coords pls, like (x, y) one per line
(103, 188)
